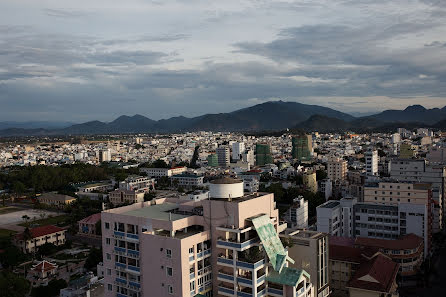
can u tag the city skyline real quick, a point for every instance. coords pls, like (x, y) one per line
(81, 61)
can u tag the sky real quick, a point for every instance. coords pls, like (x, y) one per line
(78, 60)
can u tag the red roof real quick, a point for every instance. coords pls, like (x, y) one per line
(409, 241)
(41, 231)
(93, 219)
(342, 241)
(345, 253)
(377, 274)
(44, 266)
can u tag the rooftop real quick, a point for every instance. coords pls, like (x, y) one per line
(41, 231)
(163, 212)
(226, 180)
(409, 241)
(288, 276)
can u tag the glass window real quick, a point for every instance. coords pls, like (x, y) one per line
(169, 271)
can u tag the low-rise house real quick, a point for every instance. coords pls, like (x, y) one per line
(187, 180)
(31, 239)
(87, 226)
(56, 200)
(121, 196)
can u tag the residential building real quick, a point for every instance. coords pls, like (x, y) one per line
(121, 196)
(371, 162)
(302, 147)
(326, 188)
(187, 180)
(163, 172)
(310, 251)
(87, 226)
(337, 169)
(238, 148)
(55, 200)
(310, 182)
(248, 157)
(104, 155)
(29, 242)
(137, 182)
(224, 157)
(219, 246)
(335, 217)
(297, 215)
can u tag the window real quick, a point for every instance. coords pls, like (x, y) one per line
(107, 225)
(108, 271)
(191, 250)
(169, 271)
(168, 253)
(107, 240)
(170, 289)
(110, 287)
(108, 256)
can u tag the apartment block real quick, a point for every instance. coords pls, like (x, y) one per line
(337, 169)
(297, 215)
(371, 162)
(137, 182)
(226, 245)
(223, 155)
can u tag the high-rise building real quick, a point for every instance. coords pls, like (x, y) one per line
(224, 157)
(227, 245)
(337, 169)
(104, 155)
(238, 148)
(263, 154)
(212, 159)
(371, 162)
(302, 147)
(248, 157)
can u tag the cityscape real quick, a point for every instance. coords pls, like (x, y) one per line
(238, 148)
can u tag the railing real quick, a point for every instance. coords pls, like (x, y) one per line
(245, 281)
(244, 294)
(122, 281)
(205, 270)
(221, 260)
(262, 292)
(237, 245)
(134, 268)
(120, 295)
(121, 265)
(134, 285)
(225, 276)
(275, 291)
(225, 290)
(251, 265)
(261, 278)
(192, 275)
(191, 257)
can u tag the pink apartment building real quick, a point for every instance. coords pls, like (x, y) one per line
(227, 245)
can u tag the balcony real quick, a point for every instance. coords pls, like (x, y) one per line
(222, 243)
(121, 281)
(244, 281)
(251, 266)
(225, 277)
(201, 254)
(133, 268)
(134, 286)
(119, 234)
(223, 290)
(222, 260)
(275, 292)
(120, 295)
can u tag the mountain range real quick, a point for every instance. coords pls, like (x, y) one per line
(269, 116)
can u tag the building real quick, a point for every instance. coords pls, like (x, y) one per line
(337, 169)
(302, 147)
(310, 182)
(248, 157)
(406, 151)
(309, 250)
(325, 187)
(297, 215)
(42, 272)
(86, 285)
(335, 217)
(238, 148)
(87, 226)
(163, 172)
(219, 246)
(85, 188)
(223, 155)
(55, 200)
(104, 155)
(212, 159)
(419, 171)
(358, 272)
(407, 251)
(187, 180)
(121, 196)
(137, 183)
(31, 239)
(371, 162)
(263, 154)
(437, 155)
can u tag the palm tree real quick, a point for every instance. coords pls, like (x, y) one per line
(26, 218)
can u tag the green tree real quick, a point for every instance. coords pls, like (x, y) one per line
(52, 289)
(321, 174)
(19, 188)
(98, 227)
(93, 259)
(12, 285)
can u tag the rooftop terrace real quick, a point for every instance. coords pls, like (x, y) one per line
(164, 212)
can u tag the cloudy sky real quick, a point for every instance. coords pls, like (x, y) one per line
(78, 60)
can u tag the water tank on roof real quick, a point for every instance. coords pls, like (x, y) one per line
(227, 188)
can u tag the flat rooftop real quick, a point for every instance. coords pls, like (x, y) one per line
(330, 204)
(163, 212)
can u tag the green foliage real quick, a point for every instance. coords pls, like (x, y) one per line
(93, 259)
(53, 288)
(321, 174)
(98, 228)
(47, 249)
(19, 188)
(12, 256)
(12, 285)
(81, 208)
(149, 196)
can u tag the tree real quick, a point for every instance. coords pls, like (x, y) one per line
(93, 259)
(52, 289)
(12, 285)
(19, 188)
(98, 228)
(321, 174)
(159, 164)
(47, 249)
(26, 219)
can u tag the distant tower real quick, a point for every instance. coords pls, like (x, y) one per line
(302, 147)
(263, 154)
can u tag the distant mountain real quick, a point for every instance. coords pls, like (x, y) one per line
(34, 125)
(413, 113)
(269, 116)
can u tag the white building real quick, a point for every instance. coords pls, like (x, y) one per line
(163, 172)
(297, 215)
(238, 148)
(371, 162)
(187, 180)
(136, 182)
(326, 188)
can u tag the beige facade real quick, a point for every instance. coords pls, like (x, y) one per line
(121, 196)
(337, 169)
(395, 192)
(309, 181)
(56, 200)
(29, 243)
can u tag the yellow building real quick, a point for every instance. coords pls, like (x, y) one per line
(29, 242)
(56, 200)
(310, 182)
